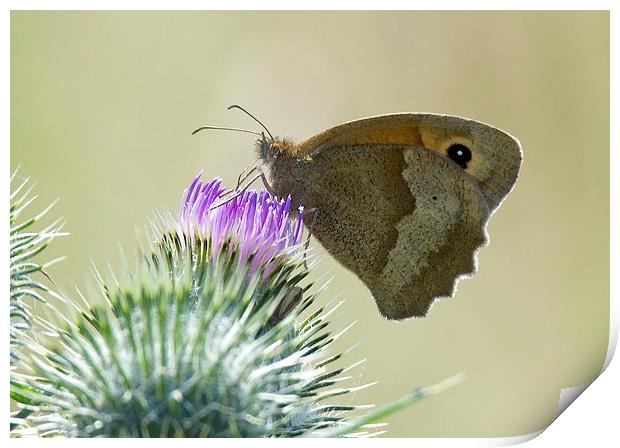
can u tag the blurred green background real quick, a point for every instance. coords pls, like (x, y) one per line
(103, 103)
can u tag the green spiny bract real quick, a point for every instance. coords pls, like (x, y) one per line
(187, 346)
(25, 244)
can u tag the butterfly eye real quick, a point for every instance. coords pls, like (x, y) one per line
(274, 150)
(460, 154)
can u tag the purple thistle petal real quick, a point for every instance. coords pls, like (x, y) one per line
(190, 189)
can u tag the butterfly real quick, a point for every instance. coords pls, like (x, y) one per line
(401, 200)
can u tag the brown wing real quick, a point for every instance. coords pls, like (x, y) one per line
(496, 156)
(405, 219)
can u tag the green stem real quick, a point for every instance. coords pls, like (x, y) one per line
(390, 408)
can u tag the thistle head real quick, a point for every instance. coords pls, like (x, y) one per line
(212, 334)
(254, 226)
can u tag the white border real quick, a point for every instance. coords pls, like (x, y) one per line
(592, 420)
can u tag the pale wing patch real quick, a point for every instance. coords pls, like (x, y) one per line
(437, 241)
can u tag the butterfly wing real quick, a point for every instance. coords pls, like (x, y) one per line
(496, 155)
(395, 210)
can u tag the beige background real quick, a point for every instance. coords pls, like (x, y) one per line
(102, 108)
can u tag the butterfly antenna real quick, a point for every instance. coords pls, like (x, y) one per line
(235, 106)
(225, 129)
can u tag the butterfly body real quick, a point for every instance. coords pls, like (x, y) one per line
(401, 200)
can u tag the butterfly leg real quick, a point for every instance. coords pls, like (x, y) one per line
(243, 176)
(247, 172)
(237, 192)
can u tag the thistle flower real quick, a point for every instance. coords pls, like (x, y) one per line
(186, 345)
(255, 224)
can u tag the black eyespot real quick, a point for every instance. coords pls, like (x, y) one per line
(434, 198)
(460, 154)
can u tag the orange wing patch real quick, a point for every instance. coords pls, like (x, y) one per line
(405, 129)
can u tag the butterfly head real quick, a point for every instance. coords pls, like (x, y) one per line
(270, 149)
